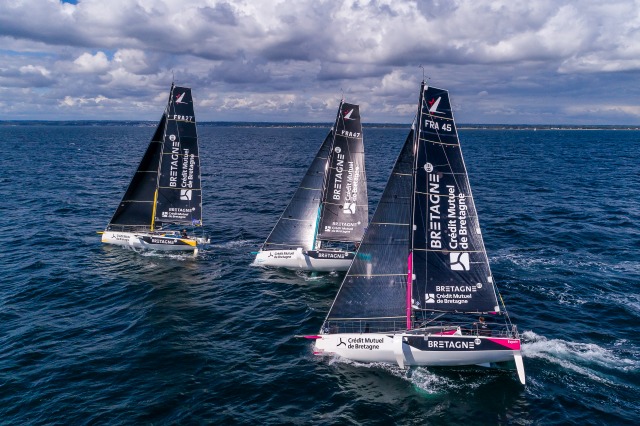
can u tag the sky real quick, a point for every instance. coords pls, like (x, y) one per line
(503, 61)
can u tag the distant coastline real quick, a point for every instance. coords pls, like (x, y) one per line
(462, 126)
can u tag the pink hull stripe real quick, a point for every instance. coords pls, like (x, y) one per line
(313, 337)
(513, 344)
(445, 333)
(409, 290)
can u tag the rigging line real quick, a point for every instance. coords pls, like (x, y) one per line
(298, 220)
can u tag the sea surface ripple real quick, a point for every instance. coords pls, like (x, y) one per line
(94, 334)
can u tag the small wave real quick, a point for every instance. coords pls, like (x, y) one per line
(184, 256)
(233, 244)
(578, 357)
(557, 260)
(564, 296)
(422, 378)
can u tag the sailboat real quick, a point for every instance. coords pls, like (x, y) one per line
(326, 218)
(421, 277)
(164, 196)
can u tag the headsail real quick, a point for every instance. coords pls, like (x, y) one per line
(137, 205)
(372, 294)
(450, 264)
(297, 225)
(345, 212)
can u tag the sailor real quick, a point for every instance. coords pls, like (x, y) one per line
(184, 234)
(483, 328)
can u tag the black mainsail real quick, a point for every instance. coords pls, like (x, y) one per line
(423, 251)
(166, 188)
(344, 212)
(450, 263)
(330, 204)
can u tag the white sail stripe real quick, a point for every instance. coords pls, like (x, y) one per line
(403, 174)
(448, 251)
(440, 143)
(310, 189)
(390, 223)
(429, 193)
(179, 189)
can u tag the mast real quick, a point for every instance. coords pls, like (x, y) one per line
(164, 136)
(411, 274)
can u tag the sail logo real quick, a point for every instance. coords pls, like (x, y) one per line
(430, 298)
(459, 261)
(349, 208)
(347, 114)
(433, 105)
(185, 194)
(179, 98)
(337, 178)
(450, 344)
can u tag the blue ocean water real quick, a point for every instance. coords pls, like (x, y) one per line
(93, 334)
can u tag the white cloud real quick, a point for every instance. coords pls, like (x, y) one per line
(92, 64)
(242, 53)
(35, 69)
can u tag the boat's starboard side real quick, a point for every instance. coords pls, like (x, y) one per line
(408, 349)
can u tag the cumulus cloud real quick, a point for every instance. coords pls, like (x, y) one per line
(91, 64)
(503, 60)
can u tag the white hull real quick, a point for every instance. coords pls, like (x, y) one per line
(153, 241)
(419, 350)
(299, 260)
